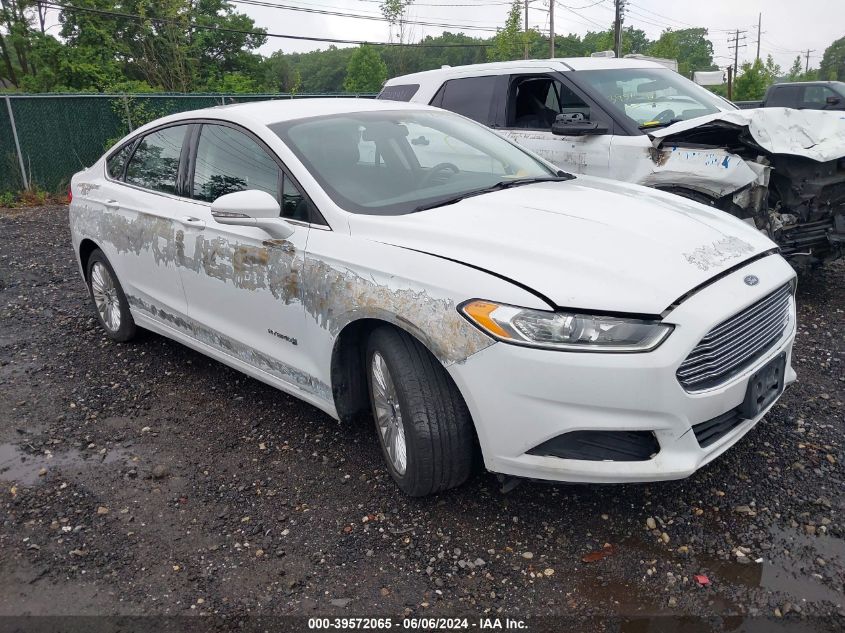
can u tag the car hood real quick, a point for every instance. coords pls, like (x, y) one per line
(815, 134)
(588, 243)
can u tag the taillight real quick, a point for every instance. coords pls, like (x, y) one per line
(69, 195)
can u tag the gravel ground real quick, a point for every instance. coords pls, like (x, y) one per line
(148, 479)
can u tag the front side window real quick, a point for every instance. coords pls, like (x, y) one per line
(155, 162)
(815, 97)
(652, 97)
(535, 103)
(394, 162)
(228, 161)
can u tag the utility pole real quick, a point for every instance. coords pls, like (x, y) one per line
(551, 29)
(730, 83)
(759, 32)
(733, 70)
(807, 54)
(526, 29)
(617, 27)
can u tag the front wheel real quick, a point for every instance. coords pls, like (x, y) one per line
(109, 299)
(423, 424)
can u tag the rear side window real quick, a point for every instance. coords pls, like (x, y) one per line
(399, 93)
(115, 162)
(155, 163)
(783, 97)
(471, 97)
(228, 161)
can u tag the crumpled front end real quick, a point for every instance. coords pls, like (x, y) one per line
(807, 207)
(790, 181)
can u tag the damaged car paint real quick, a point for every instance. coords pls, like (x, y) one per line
(362, 255)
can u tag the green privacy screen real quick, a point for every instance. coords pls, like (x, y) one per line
(63, 133)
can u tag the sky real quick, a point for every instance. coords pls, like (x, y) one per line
(788, 27)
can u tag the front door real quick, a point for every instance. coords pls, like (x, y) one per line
(534, 101)
(243, 286)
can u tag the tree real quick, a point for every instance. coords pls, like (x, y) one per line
(690, 47)
(832, 67)
(396, 12)
(509, 42)
(752, 82)
(280, 75)
(366, 71)
(796, 71)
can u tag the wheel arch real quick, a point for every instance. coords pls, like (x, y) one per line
(348, 371)
(86, 247)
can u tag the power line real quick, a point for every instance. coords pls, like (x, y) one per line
(180, 24)
(358, 16)
(666, 17)
(575, 11)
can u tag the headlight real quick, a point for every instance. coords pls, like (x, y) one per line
(564, 330)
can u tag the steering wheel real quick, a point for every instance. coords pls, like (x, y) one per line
(665, 116)
(438, 171)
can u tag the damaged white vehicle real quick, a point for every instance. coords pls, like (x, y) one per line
(781, 170)
(480, 303)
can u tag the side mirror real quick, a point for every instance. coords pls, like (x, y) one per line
(251, 208)
(832, 101)
(565, 126)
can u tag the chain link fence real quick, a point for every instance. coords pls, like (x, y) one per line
(46, 138)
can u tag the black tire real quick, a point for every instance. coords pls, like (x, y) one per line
(439, 434)
(127, 328)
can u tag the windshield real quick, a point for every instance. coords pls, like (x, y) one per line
(653, 97)
(395, 162)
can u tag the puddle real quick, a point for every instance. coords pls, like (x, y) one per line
(22, 468)
(789, 575)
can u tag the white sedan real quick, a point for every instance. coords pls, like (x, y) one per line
(403, 260)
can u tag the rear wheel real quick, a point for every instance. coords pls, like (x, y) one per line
(423, 425)
(109, 300)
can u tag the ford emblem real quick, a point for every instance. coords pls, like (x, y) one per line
(751, 280)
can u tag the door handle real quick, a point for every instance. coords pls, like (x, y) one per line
(112, 205)
(193, 222)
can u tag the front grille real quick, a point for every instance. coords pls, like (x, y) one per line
(733, 345)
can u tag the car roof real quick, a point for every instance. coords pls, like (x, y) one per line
(279, 110)
(557, 63)
(808, 83)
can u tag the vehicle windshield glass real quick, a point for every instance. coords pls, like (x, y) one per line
(653, 97)
(396, 162)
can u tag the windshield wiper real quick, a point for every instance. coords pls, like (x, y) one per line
(658, 124)
(502, 184)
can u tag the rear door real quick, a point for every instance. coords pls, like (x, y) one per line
(243, 286)
(783, 97)
(140, 224)
(533, 101)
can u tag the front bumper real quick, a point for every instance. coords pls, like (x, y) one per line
(521, 397)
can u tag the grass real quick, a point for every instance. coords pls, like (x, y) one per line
(33, 197)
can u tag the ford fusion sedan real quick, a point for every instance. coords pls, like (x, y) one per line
(405, 263)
